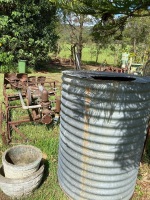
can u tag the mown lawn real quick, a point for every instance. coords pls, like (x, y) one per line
(47, 139)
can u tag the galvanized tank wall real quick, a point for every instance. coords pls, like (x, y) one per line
(102, 133)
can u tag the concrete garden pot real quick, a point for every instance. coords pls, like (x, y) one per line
(16, 188)
(21, 161)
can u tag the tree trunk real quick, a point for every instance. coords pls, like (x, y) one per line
(80, 39)
(71, 55)
(97, 54)
(134, 47)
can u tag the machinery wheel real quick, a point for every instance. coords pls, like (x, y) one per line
(29, 97)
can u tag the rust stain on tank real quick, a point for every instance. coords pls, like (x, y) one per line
(85, 137)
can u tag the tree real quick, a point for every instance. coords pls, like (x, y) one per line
(107, 10)
(27, 30)
(74, 25)
(137, 33)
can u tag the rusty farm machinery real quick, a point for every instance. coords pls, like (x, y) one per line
(39, 96)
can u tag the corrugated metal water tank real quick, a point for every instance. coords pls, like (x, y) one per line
(102, 132)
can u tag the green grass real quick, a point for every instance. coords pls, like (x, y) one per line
(89, 54)
(47, 139)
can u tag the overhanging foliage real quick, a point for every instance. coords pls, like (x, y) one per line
(112, 14)
(94, 7)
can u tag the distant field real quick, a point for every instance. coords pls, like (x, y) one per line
(89, 54)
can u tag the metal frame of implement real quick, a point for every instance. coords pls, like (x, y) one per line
(37, 95)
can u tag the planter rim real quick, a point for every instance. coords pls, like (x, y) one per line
(4, 179)
(38, 160)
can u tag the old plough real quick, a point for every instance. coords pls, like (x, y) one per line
(39, 96)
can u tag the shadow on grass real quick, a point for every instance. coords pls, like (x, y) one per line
(46, 171)
(146, 153)
(52, 125)
(52, 67)
(91, 63)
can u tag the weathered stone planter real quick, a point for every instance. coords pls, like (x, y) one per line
(21, 161)
(16, 188)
